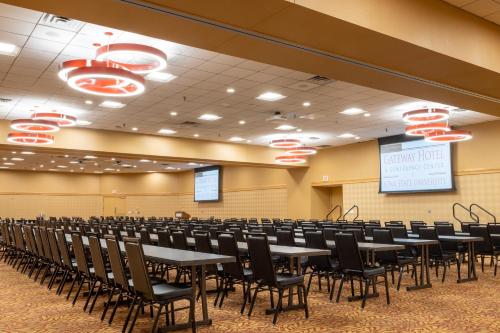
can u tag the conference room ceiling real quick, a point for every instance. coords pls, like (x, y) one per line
(30, 160)
(29, 82)
(487, 9)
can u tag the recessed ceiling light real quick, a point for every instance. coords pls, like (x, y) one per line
(230, 90)
(306, 104)
(299, 130)
(41, 165)
(109, 169)
(135, 129)
(14, 152)
(4, 158)
(113, 159)
(9, 163)
(192, 164)
(118, 170)
(160, 77)
(135, 166)
(66, 156)
(27, 153)
(242, 122)
(144, 161)
(52, 161)
(270, 96)
(236, 139)
(17, 159)
(90, 157)
(285, 127)
(96, 164)
(83, 122)
(178, 169)
(112, 105)
(151, 171)
(81, 168)
(89, 102)
(71, 170)
(170, 168)
(173, 113)
(196, 135)
(346, 136)
(62, 166)
(126, 165)
(166, 131)
(357, 138)
(97, 171)
(34, 169)
(248, 141)
(4, 167)
(73, 162)
(8, 49)
(367, 114)
(155, 162)
(353, 111)
(209, 117)
(53, 170)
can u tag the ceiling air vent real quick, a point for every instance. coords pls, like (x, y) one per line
(61, 22)
(311, 83)
(321, 80)
(189, 124)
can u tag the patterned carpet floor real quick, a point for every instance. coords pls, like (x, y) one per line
(447, 307)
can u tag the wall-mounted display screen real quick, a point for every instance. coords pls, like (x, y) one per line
(413, 165)
(207, 183)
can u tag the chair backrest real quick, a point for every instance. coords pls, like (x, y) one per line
(329, 233)
(229, 247)
(98, 259)
(494, 228)
(316, 240)
(269, 230)
(202, 242)
(81, 259)
(486, 244)
(238, 233)
(179, 240)
(260, 259)
(430, 233)
(56, 254)
(398, 231)
(445, 229)
(138, 270)
(285, 237)
(64, 249)
(28, 234)
(164, 238)
(436, 223)
(18, 237)
(116, 262)
(145, 237)
(415, 225)
(130, 232)
(384, 236)
(358, 232)
(369, 230)
(348, 252)
(45, 243)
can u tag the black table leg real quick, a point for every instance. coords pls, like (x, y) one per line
(471, 264)
(425, 281)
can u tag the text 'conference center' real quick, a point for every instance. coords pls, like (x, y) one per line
(249, 166)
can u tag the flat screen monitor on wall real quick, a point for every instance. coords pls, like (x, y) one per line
(409, 164)
(207, 182)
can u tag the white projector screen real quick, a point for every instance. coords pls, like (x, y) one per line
(408, 165)
(207, 184)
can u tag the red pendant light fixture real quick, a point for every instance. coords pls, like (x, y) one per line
(66, 67)
(106, 81)
(62, 120)
(290, 159)
(34, 126)
(301, 151)
(30, 138)
(423, 116)
(448, 136)
(423, 129)
(137, 58)
(285, 143)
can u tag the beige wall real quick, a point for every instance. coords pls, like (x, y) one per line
(352, 172)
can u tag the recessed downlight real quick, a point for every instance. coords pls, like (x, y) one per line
(209, 117)
(270, 96)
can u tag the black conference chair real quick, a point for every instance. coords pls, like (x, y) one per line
(266, 278)
(391, 260)
(145, 292)
(353, 267)
(321, 266)
(486, 247)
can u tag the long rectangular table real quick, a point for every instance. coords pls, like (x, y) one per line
(183, 258)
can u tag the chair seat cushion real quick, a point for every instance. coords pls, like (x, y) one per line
(284, 279)
(405, 260)
(165, 291)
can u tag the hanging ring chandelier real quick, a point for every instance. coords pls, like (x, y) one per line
(34, 126)
(137, 58)
(30, 138)
(301, 151)
(285, 143)
(423, 129)
(289, 159)
(423, 116)
(62, 120)
(448, 136)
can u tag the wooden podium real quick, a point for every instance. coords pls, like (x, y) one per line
(182, 215)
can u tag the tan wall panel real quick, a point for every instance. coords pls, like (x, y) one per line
(48, 182)
(161, 205)
(30, 206)
(151, 183)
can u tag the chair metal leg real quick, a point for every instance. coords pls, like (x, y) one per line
(72, 285)
(304, 298)
(444, 272)
(79, 289)
(129, 314)
(155, 322)
(310, 280)
(253, 300)
(90, 294)
(246, 292)
(108, 303)
(192, 317)
(333, 287)
(367, 286)
(278, 307)
(340, 288)
(135, 316)
(387, 296)
(95, 297)
(399, 278)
